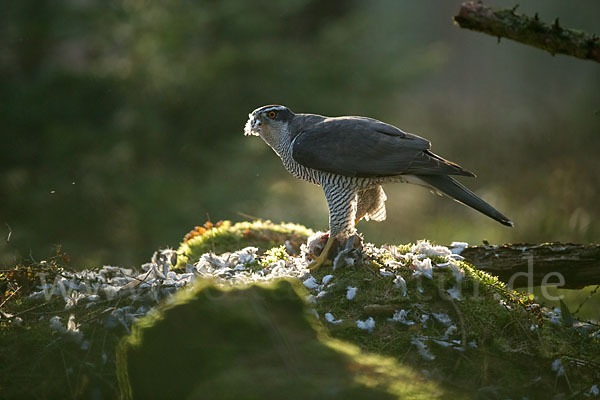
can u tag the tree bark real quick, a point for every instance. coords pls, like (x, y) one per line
(531, 31)
(578, 264)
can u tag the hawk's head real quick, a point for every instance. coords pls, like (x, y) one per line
(271, 123)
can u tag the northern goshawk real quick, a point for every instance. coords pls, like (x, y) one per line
(351, 157)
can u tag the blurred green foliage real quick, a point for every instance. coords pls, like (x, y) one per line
(121, 121)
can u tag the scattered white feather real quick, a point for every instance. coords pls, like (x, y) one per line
(38, 295)
(72, 326)
(311, 283)
(449, 332)
(56, 325)
(558, 367)
(423, 267)
(423, 349)
(443, 343)
(394, 264)
(454, 293)
(555, 316)
(110, 291)
(155, 283)
(457, 271)
(384, 272)
(344, 258)
(326, 279)
(400, 283)
(458, 247)
(351, 292)
(426, 248)
(443, 318)
(71, 284)
(331, 319)
(367, 325)
(73, 299)
(401, 316)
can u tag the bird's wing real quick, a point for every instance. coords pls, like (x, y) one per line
(364, 147)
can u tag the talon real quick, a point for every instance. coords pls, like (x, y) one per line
(323, 258)
(316, 264)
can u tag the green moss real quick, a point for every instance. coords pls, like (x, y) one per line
(255, 342)
(273, 255)
(37, 362)
(510, 360)
(228, 237)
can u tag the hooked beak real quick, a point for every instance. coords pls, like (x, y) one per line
(252, 127)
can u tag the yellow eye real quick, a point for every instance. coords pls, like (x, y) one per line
(271, 114)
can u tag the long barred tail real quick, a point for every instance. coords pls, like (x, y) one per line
(450, 187)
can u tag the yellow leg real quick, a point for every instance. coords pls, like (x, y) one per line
(324, 256)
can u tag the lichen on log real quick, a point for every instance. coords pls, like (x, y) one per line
(529, 30)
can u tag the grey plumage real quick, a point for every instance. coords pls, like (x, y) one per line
(364, 147)
(351, 157)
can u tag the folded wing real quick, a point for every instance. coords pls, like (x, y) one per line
(364, 147)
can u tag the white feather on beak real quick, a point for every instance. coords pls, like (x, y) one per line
(252, 127)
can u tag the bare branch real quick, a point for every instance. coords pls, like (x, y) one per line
(531, 31)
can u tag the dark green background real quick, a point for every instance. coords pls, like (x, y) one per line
(121, 121)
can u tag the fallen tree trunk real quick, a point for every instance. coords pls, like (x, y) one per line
(531, 31)
(548, 264)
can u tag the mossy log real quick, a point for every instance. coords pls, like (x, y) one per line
(529, 30)
(405, 322)
(578, 264)
(256, 342)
